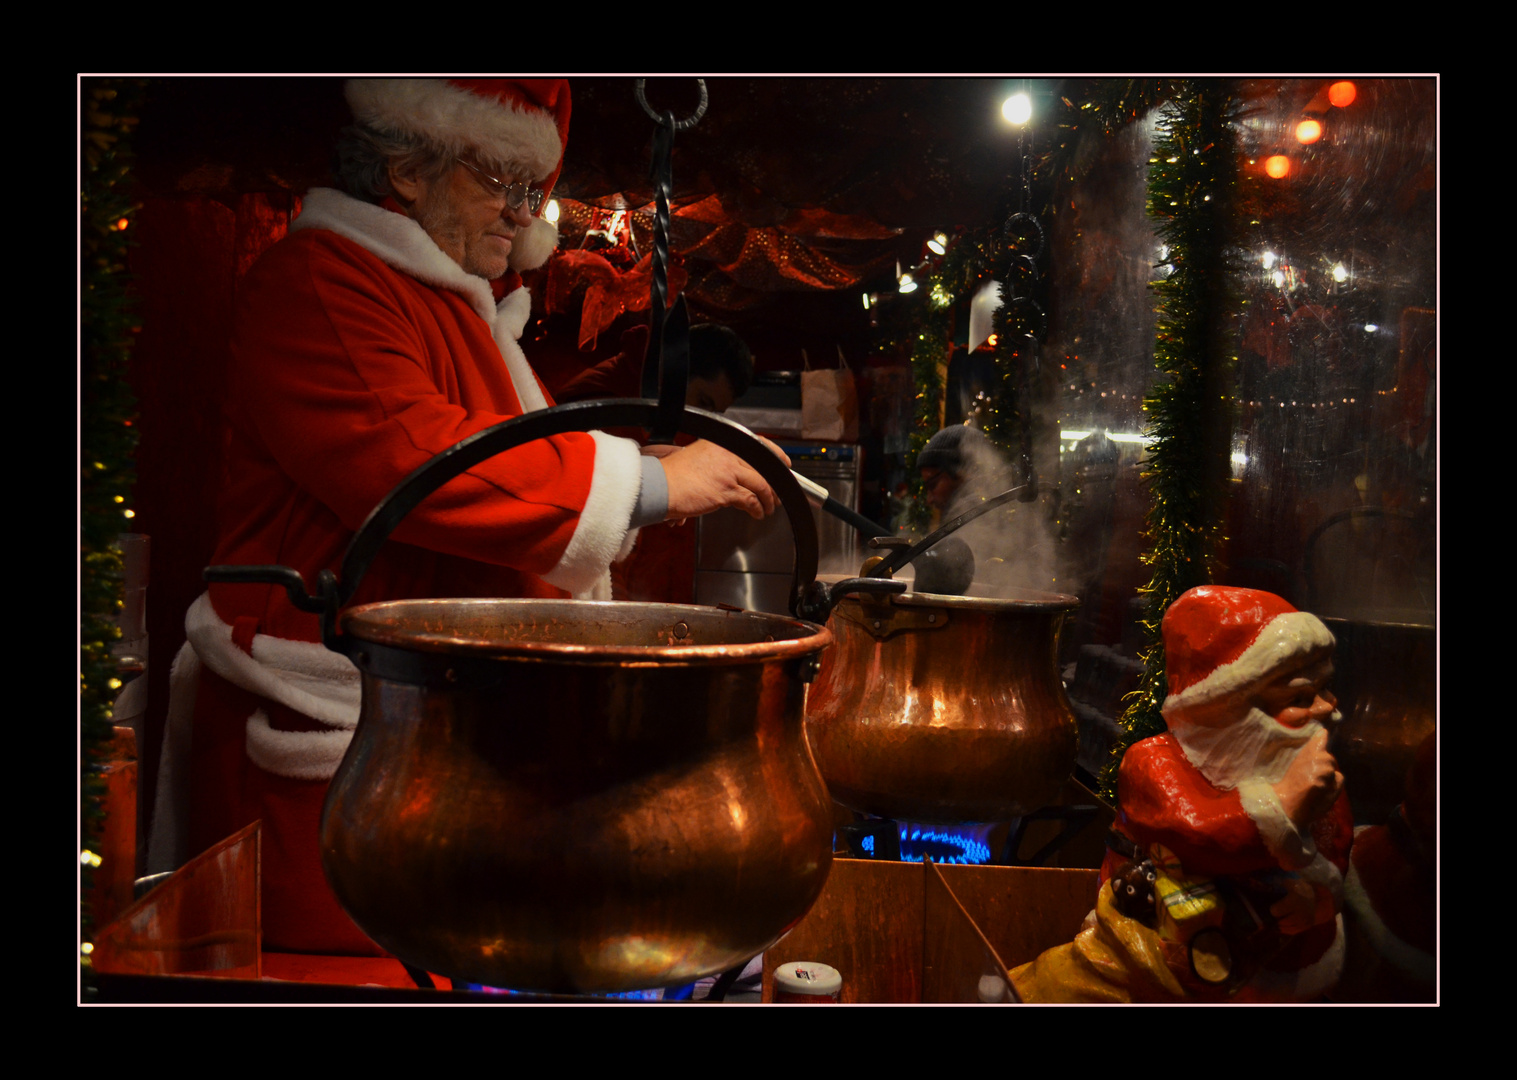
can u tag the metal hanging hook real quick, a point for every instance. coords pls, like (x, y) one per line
(665, 117)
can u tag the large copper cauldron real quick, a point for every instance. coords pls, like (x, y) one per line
(571, 796)
(944, 708)
(576, 796)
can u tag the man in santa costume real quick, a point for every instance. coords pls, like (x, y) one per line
(382, 331)
(1225, 875)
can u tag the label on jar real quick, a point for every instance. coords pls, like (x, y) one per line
(807, 982)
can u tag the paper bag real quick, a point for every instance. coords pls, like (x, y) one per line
(829, 405)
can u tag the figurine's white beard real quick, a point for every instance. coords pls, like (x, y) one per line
(1254, 747)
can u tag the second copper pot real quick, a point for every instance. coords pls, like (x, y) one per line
(944, 708)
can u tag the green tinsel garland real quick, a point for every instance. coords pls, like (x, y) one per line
(1192, 184)
(108, 436)
(921, 331)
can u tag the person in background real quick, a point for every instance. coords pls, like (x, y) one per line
(959, 467)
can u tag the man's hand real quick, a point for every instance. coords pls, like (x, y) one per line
(1312, 783)
(703, 477)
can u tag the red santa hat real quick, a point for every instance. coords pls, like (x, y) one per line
(517, 125)
(1220, 642)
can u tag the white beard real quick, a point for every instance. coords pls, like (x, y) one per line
(1254, 747)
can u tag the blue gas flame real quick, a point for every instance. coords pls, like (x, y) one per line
(945, 843)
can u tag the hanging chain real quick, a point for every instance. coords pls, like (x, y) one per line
(666, 367)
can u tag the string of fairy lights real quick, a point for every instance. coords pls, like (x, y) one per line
(108, 436)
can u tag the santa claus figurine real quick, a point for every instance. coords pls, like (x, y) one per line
(1225, 876)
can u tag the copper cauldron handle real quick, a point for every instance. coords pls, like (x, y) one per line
(335, 590)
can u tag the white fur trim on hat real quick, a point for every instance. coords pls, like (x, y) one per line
(459, 121)
(1286, 636)
(602, 535)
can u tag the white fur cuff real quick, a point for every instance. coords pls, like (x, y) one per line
(603, 535)
(1285, 842)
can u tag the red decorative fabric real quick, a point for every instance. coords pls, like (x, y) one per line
(608, 291)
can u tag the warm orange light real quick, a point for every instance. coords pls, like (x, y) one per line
(1278, 166)
(1308, 132)
(1342, 94)
(122, 224)
(991, 341)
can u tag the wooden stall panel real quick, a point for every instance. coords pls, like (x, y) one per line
(959, 963)
(868, 924)
(1023, 910)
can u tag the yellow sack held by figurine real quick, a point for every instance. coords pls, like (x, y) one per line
(1186, 905)
(1113, 959)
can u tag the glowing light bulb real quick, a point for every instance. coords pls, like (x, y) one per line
(1017, 109)
(1269, 259)
(907, 285)
(1370, 328)
(550, 214)
(1308, 132)
(1278, 277)
(866, 301)
(1277, 167)
(1342, 94)
(1340, 272)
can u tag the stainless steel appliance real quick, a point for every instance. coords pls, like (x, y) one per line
(748, 563)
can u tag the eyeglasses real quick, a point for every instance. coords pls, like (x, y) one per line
(514, 194)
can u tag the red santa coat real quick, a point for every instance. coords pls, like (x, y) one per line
(360, 352)
(1236, 833)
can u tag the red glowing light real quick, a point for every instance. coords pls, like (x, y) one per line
(1308, 132)
(122, 224)
(1278, 166)
(1342, 94)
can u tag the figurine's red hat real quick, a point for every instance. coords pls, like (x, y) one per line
(1220, 640)
(515, 125)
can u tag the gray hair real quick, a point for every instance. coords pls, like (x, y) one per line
(362, 161)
